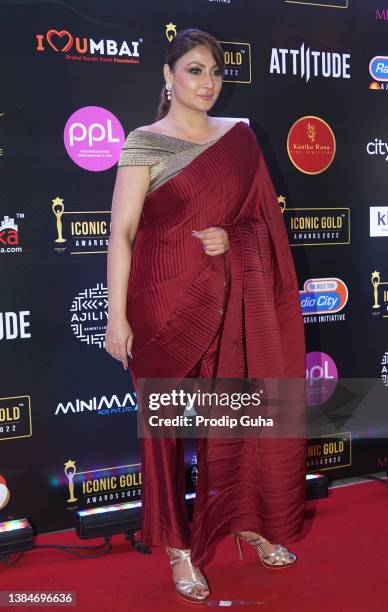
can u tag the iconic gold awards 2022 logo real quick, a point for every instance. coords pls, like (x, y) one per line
(80, 232)
(237, 57)
(313, 226)
(15, 417)
(94, 486)
(380, 295)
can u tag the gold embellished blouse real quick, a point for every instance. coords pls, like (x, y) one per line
(164, 155)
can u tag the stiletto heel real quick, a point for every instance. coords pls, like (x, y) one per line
(238, 544)
(190, 590)
(280, 558)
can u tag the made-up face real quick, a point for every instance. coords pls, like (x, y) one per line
(196, 79)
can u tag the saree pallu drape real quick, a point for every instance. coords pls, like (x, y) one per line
(180, 299)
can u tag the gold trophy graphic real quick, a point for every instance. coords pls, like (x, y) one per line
(170, 31)
(282, 202)
(58, 209)
(375, 280)
(70, 471)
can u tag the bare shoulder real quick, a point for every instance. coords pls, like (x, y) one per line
(152, 127)
(223, 124)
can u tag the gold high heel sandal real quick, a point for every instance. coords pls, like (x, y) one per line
(280, 558)
(190, 590)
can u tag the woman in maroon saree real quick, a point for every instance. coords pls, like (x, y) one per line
(233, 315)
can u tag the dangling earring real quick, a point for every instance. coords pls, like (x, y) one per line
(168, 89)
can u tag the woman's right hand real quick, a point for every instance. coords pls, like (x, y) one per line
(118, 340)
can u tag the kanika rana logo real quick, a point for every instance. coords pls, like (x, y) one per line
(83, 48)
(311, 145)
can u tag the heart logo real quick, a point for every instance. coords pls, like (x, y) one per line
(60, 35)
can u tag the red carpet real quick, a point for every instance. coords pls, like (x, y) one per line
(342, 566)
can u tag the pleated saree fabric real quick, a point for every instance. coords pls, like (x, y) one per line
(236, 315)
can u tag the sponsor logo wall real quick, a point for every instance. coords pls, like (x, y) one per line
(64, 403)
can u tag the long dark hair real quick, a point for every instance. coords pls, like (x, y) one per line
(183, 42)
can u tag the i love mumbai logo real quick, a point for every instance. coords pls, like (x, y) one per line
(323, 296)
(93, 138)
(86, 48)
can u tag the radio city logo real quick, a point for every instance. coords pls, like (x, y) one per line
(378, 147)
(238, 64)
(89, 314)
(321, 377)
(87, 231)
(378, 69)
(380, 295)
(14, 325)
(322, 299)
(4, 492)
(93, 138)
(88, 49)
(378, 221)
(15, 417)
(103, 405)
(9, 234)
(306, 63)
(311, 145)
(91, 487)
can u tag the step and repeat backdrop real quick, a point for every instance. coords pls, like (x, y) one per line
(312, 79)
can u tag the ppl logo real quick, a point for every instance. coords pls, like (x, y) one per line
(323, 296)
(378, 68)
(321, 377)
(94, 138)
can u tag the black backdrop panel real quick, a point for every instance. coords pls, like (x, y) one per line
(67, 410)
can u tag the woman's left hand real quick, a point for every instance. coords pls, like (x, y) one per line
(214, 240)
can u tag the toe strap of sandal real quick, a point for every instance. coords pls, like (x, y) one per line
(279, 556)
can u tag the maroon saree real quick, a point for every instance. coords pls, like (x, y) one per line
(180, 300)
